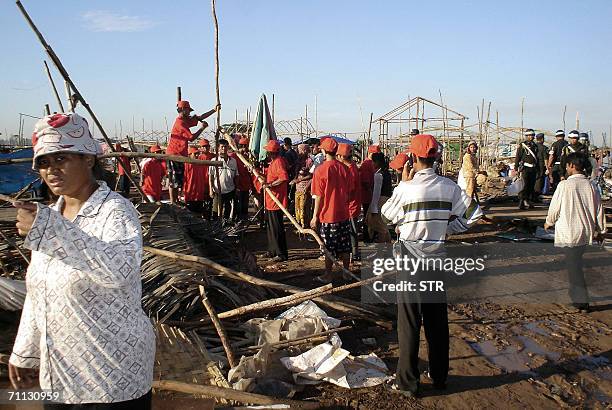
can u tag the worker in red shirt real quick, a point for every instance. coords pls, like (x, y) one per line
(180, 136)
(277, 179)
(194, 185)
(345, 156)
(123, 183)
(366, 176)
(331, 194)
(244, 183)
(206, 155)
(153, 170)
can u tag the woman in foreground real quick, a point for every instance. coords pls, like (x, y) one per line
(83, 334)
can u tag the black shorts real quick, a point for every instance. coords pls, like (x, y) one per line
(176, 171)
(337, 237)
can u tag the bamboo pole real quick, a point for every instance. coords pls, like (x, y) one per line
(177, 158)
(336, 303)
(295, 223)
(370, 130)
(69, 96)
(522, 115)
(564, 110)
(179, 96)
(14, 245)
(79, 97)
(231, 394)
(218, 95)
(577, 120)
(218, 326)
(47, 109)
(59, 100)
(297, 341)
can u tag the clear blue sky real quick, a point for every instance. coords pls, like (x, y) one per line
(127, 57)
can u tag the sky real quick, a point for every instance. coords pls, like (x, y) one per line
(351, 57)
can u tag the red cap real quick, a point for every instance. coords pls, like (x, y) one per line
(204, 143)
(329, 145)
(423, 146)
(344, 149)
(243, 141)
(399, 161)
(272, 146)
(372, 149)
(155, 148)
(193, 150)
(184, 104)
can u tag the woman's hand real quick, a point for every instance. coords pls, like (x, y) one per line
(22, 378)
(26, 214)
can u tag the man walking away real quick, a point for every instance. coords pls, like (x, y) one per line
(345, 155)
(277, 179)
(123, 183)
(541, 153)
(526, 163)
(366, 175)
(228, 178)
(577, 214)
(554, 159)
(331, 192)
(421, 210)
(180, 137)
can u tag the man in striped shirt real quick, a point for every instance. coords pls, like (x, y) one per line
(425, 209)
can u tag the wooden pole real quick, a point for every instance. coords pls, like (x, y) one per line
(564, 110)
(370, 130)
(176, 158)
(59, 100)
(272, 108)
(522, 116)
(69, 96)
(218, 95)
(218, 326)
(47, 109)
(231, 394)
(179, 96)
(577, 120)
(79, 97)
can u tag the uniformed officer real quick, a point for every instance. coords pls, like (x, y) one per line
(526, 163)
(541, 176)
(554, 159)
(574, 146)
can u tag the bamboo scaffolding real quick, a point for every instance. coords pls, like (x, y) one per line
(79, 97)
(54, 88)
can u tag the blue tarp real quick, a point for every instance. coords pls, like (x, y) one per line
(14, 177)
(339, 140)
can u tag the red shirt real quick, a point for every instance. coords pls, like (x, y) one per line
(195, 183)
(330, 183)
(206, 170)
(126, 163)
(354, 205)
(153, 171)
(181, 136)
(277, 171)
(244, 177)
(366, 176)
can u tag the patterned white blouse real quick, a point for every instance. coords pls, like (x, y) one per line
(82, 323)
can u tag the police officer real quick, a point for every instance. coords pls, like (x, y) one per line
(526, 163)
(574, 146)
(554, 159)
(541, 153)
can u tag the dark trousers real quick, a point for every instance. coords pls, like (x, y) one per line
(277, 243)
(123, 185)
(539, 184)
(529, 178)
(364, 225)
(577, 291)
(354, 240)
(242, 205)
(556, 177)
(141, 403)
(227, 200)
(434, 317)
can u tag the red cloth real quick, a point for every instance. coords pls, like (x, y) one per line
(195, 182)
(126, 163)
(329, 183)
(152, 174)
(181, 136)
(354, 205)
(277, 171)
(366, 176)
(244, 176)
(206, 170)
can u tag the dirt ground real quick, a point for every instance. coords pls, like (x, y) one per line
(504, 356)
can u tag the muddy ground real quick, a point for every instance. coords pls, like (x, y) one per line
(502, 355)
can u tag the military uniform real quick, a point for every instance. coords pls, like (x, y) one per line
(542, 154)
(527, 163)
(556, 151)
(577, 147)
